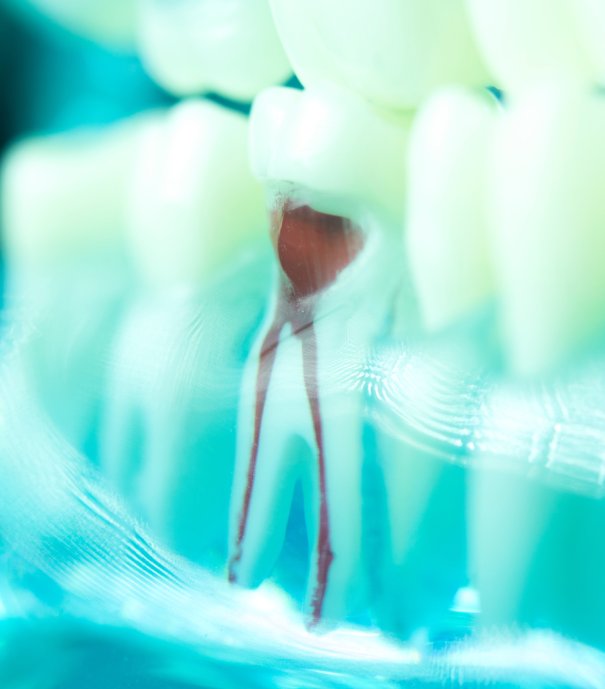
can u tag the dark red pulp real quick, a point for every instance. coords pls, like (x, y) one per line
(313, 248)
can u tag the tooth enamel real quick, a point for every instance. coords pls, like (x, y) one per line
(394, 52)
(194, 201)
(446, 228)
(337, 285)
(547, 215)
(327, 139)
(229, 46)
(527, 42)
(108, 21)
(195, 214)
(63, 213)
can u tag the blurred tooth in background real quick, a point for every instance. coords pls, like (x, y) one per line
(547, 214)
(446, 226)
(334, 229)
(393, 52)
(64, 202)
(526, 42)
(227, 46)
(111, 22)
(196, 225)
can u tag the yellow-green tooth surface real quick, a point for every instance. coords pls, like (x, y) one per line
(331, 141)
(547, 213)
(194, 46)
(393, 52)
(591, 19)
(66, 194)
(193, 200)
(446, 224)
(526, 41)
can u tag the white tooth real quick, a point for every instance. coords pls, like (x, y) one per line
(194, 201)
(63, 211)
(394, 52)
(327, 139)
(195, 213)
(526, 42)
(108, 21)
(446, 227)
(229, 46)
(299, 417)
(547, 215)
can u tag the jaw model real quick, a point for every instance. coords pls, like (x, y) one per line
(336, 286)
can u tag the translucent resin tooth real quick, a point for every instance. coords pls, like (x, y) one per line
(394, 52)
(327, 139)
(300, 419)
(194, 46)
(64, 202)
(108, 21)
(446, 225)
(196, 214)
(591, 18)
(547, 214)
(526, 42)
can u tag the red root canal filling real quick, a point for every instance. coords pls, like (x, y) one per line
(313, 248)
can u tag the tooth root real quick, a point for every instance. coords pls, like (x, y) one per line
(195, 46)
(446, 227)
(547, 215)
(525, 43)
(392, 52)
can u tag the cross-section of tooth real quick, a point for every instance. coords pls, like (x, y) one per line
(446, 226)
(526, 42)
(64, 201)
(338, 270)
(196, 216)
(107, 21)
(194, 46)
(547, 215)
(394, 52)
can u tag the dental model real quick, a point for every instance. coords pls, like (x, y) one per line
(111, 22)
(334, 231)
(227, 46)
(195, 219)
(63, 212)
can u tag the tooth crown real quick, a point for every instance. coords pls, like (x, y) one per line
(193, 202)
(331, 141)
(65, 196)
(527, 42)
(195, 46)
(548, 215)
(446, 221)
(393, 52)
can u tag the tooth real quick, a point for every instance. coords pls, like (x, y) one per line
(195, 210)
(394, 52)
(63, 213)
(525, 43)
(108, 21)
(523, 529)
(591, 17)
(336, 284)
(446, 228)
(229, 46)
(547, 215)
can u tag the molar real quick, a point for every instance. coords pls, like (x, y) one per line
(336, 240)
(393, 52)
